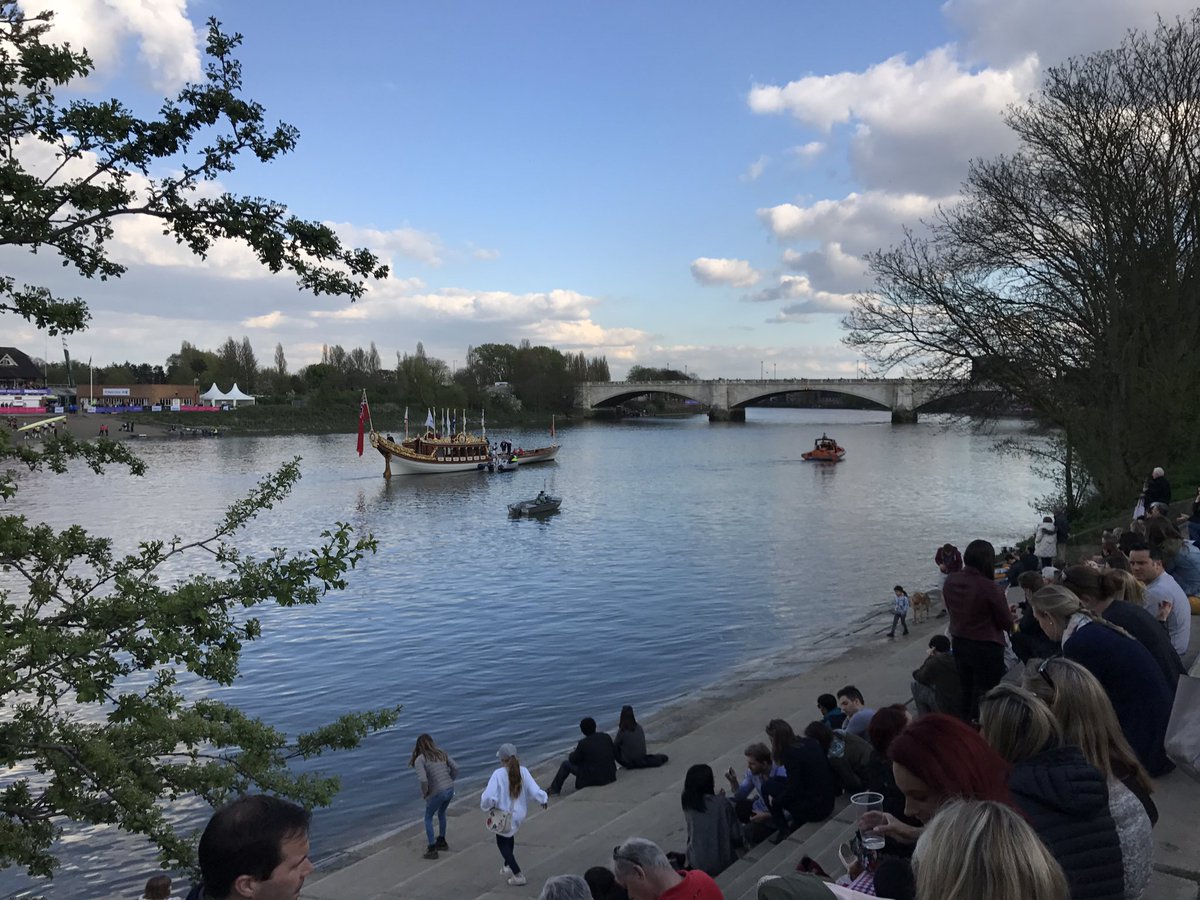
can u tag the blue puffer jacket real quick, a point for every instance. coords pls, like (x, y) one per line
(1066, 801)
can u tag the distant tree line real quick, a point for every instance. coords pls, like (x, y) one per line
(521, 377)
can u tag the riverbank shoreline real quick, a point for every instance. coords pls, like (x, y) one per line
(673, 719)
(580, 828)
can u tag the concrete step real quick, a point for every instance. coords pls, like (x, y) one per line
(815, 839)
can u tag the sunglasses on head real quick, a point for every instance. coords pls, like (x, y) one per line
(1046, 675)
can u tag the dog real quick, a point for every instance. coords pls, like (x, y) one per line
(920, 606)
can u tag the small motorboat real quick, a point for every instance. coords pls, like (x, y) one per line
(541, 505)
(825, 449)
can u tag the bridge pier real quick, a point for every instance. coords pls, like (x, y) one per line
(738, 414)
(902, 416)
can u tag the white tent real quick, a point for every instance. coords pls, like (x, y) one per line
(236, 396)
(214, 394)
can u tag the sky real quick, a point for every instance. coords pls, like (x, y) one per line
(684, 184)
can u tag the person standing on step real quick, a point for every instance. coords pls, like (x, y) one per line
(436, 771)
(509, 790)
(899, 611)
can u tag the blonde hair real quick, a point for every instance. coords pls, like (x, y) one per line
(515, 781)
(1087, 718)
(983, 850)
(427, 748)
(1061, 603)
(1016, 724)
(1126, 587)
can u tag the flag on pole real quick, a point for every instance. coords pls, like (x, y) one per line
(362, 422)
(406, 423)
(552, 434)
(429, 419)
(483, 423)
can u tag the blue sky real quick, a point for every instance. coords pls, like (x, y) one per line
(692, 184)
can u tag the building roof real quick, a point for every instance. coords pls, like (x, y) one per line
(17, 366)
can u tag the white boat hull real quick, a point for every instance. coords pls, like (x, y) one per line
(418, 467)
(536, 456)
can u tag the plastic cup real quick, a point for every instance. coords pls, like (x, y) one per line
(867, 801)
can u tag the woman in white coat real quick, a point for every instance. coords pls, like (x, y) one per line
(509, 790)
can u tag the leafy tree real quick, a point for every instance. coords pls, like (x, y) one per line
(280, 362)
(649, 373)
(94, 727)
(1069, 271)
(247, 364)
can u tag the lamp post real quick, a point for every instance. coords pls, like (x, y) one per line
(774, 371)
(761, 364)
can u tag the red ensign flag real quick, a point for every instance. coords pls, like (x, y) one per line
(362, 422)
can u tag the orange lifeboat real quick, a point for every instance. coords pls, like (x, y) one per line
(825, 449)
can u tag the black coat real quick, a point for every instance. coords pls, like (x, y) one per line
(1066, 801)
(1148, 632)
(1158, 490)
(810, 788)
(596, 758)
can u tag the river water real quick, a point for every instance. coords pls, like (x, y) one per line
(685, 553)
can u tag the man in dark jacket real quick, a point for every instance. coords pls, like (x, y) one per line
(1158, 489)
(936, 687)
(593, 761)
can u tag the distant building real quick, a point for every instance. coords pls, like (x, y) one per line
(146, 396)
(18, 371)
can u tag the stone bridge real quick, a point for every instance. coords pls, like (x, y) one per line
(726, 400)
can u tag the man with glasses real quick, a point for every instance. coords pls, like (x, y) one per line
(646, 874)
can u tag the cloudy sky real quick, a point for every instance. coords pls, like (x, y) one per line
(668, 183)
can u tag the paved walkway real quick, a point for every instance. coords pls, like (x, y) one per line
(581, 828)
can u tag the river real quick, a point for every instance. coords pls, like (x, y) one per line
(685, 553)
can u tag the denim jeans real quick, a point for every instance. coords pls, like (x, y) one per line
(437, 803)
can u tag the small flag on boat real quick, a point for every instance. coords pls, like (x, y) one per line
(552, 425)
(362, 422)
(429, 420)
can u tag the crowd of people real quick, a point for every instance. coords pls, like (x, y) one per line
(1026, 771)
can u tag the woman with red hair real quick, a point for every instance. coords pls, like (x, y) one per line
(936, 759)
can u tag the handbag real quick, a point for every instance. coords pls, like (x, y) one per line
(1183, 730)
(498, 821)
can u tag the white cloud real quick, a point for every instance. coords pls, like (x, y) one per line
(859, 222)
(744, 360)
(755, 169)
(831, 266)
(915, 125)
(808, 152)
(486, 254)
(1001, 33)
(810, 300)
(733, 272)
(276, 319)
(168, 44)
(407, 242)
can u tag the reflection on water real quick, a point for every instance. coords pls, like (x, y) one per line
(684, 551)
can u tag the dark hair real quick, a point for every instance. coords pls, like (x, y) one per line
(940, 643)
(603, 884)
(698, 786)
(627, 722)
(980, 556)
(827, 702)
(951, 758)
(158, 887)
(758, 751)
(948, 548)
(782, 737)
(898, 588)
(245, 837)
(587, 726)
(821, 733)
(852, 693)
(1155, 550)
(1031, 581)
(885, 725)
(1160, 529)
